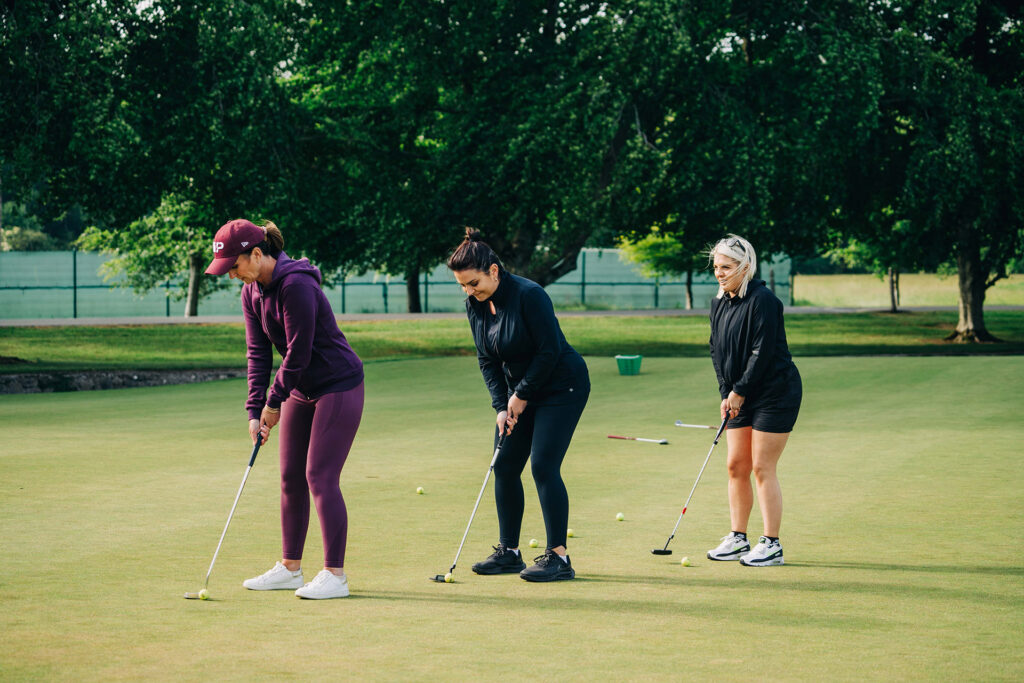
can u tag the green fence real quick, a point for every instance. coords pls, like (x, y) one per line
(68, 285)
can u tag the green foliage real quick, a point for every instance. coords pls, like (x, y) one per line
(19, 238)
(659, 255)
(157, 248)
(22, 231)
(373, 132)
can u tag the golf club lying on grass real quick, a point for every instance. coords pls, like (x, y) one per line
(205, 593)
(683, 424)
(663, 442)
(665, 550)
(448, 578)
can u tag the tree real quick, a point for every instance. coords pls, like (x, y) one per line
(158, 248)
(661, 255)
(757, 111)
(947, 160)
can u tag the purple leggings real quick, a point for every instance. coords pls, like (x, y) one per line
(316, 436)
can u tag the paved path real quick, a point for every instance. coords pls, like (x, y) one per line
(666, 312)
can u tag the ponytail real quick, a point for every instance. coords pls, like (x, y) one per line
(473, 254)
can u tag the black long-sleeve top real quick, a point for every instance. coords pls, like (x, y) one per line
(521, 348)
(748, 343)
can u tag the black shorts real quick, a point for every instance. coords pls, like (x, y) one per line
(775, 410)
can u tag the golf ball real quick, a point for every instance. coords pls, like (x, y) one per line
(204, 594)
(419, 490)
(685, 562)
(569, 532)
(620, 516)
(533, 543)
(448, 578)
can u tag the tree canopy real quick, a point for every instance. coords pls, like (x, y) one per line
(372, 132)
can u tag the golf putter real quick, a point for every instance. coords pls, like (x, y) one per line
(252, 459)
(665, 550)
(440, 578)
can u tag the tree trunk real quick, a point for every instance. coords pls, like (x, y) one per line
(195, 272)
(689, 290)
(894, 295)
(412, 290)
(971, 279)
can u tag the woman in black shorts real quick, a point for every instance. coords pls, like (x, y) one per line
(761, 391)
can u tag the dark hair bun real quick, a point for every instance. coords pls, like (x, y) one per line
(473, 235)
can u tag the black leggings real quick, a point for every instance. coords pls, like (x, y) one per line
(542, 435)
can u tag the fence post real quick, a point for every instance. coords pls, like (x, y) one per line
(656, 283)
(167, 298)
(583, 279)
(74, 283)
(385, 286)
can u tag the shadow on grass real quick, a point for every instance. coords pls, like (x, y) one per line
(925, 568)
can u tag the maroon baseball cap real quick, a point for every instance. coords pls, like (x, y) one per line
(233, 238)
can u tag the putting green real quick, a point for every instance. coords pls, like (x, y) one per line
(902, 490)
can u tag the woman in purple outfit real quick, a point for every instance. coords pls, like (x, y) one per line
(316, 396)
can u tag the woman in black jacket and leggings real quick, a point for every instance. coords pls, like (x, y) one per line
(539, 386)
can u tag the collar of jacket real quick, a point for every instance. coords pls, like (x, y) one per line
(751, 286)
(505, 286)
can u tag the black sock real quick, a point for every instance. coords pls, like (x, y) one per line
(773, 539)
(740, 534)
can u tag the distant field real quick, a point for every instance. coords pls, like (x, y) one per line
(195, 347)
(916, 289)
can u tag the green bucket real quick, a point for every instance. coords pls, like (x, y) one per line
(629, 365)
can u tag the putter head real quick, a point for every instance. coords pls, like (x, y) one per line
(661, 551)
(437, 577)
(191, 596)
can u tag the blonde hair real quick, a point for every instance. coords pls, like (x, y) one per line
(740, 251)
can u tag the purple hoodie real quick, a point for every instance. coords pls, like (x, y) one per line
(293, 315)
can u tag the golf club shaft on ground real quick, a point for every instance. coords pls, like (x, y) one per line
(252, 459)
(687, 503)
(663, 442)
(490, 468)
(683, 424)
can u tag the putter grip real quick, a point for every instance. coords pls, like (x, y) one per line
(255, 450)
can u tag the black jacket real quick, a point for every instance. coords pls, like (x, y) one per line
(748, 344)
(521, 348)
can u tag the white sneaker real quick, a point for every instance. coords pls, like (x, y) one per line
(278, 578)
(323, 586)
(732, 547)
(765, 554)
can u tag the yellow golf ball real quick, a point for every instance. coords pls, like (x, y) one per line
(204, 594)
(448, 578)
(570, 533)
(419, 490)
(685, 562)
(533, 543)
(620, 516)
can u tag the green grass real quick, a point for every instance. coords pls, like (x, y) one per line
(902, 488)
(916, 289)
(141, 347)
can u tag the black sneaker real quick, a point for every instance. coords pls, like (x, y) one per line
(501, 561)
(549, 567)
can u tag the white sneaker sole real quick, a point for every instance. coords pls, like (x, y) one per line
(290, 586)
(774, 562)
(313, 596)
